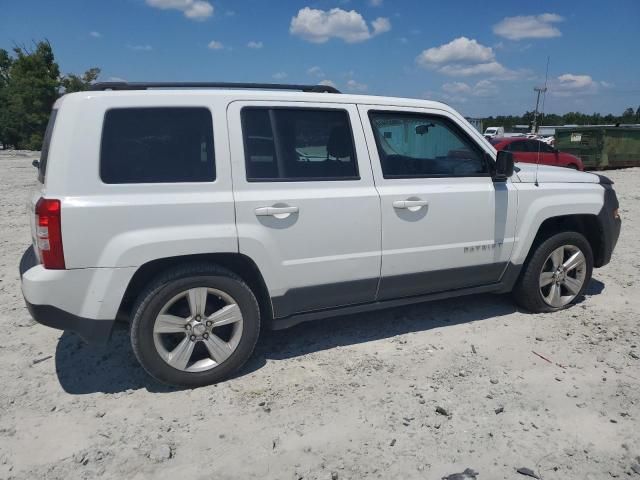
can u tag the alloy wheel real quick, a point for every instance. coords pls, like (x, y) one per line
(563, 275)
(198, 329)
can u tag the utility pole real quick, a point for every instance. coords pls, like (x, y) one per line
(539, 90)
(534, 128)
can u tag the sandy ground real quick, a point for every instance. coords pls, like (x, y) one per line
(352, 397)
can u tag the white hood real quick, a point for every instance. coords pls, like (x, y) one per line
(526, 173)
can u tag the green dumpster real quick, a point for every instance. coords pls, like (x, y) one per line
(601, 146)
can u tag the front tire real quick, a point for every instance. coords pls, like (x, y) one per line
(557, 273)
(195, 325)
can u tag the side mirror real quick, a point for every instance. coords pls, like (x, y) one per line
(504, 166)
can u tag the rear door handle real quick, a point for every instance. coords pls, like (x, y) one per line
(411, 205)
(278, 212)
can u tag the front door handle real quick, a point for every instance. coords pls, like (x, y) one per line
(411, 205)
(278, 212)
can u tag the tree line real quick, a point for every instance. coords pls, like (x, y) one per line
(30, 83)
(571, 118)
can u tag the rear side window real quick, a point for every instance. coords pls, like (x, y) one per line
(298, 144)
(518, 146)
(157, 145)
(46, 141)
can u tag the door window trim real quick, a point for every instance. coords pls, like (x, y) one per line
(452, 125)
(355, 177)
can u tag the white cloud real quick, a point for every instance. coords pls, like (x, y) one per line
(116, 79)
(450, 98)
(575, 82)
(315, 71)
(376, 3)
(354, 86)
(493, 69)
(456, 87)
(318, 26)
(568, 84)
(485, 88)
(279, 75)
(482, 88)
(95, 34)
(215, 45)
(459, 50)
(454, 99)
(253, 44)
(140, 48)
(528, 26)
(464, 57)
(328, 83)
(192, 9)
(380, 25)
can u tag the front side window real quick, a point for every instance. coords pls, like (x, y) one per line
(415, 145)
(298, 144)
(157, 145)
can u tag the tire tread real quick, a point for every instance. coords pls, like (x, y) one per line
(147, 295)
(526, 291)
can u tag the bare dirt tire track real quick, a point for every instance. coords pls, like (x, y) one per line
(333, 396)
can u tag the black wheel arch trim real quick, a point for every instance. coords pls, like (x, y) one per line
(609, 223)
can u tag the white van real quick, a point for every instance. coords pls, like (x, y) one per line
(491, 132)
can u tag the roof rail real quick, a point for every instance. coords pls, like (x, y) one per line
(262, 86)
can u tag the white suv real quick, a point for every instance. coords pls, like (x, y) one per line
(200, 214)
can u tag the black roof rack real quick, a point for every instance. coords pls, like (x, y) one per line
(262, 86)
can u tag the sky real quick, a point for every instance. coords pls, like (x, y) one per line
(483, 58)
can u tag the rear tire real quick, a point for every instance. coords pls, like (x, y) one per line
(556, 274)
(195, 325)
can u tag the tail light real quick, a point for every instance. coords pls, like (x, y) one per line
(49, 233)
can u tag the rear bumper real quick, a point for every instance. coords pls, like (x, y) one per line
(84, 301)
(92, 331)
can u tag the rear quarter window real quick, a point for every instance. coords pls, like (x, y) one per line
(46, 142)
(157, 145)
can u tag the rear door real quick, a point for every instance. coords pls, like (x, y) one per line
(445, 223)
(307, 211)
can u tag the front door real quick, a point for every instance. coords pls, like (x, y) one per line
(445, 223)
(307, 211)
